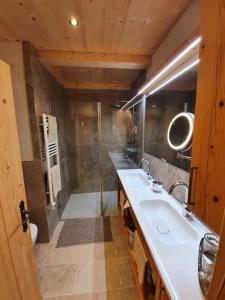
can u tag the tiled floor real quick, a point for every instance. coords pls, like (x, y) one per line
(98, 271)
(88, 205)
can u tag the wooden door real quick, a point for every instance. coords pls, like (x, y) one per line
(18, 278)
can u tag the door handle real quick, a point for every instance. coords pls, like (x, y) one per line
(25, 214)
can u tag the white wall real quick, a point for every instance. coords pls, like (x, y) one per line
(186, 25)
(12, 53)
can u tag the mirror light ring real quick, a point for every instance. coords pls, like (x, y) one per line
(186, 143)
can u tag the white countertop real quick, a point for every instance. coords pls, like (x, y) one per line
(177, 265)
(121, 163)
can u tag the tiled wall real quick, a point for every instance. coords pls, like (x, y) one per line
(168, 174)
(83, 147)
(45, 95)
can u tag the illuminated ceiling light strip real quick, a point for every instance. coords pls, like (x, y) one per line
(169, 80)
(175, 76)
(174, 61)
(135, 103)
(125, 105)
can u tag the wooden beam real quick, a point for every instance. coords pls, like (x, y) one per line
(95, 60)
(87, 85)
(96, 86)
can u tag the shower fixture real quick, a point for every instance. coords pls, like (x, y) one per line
(117, 105)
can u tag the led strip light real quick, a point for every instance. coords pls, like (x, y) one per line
(164, 70)
(194, 63)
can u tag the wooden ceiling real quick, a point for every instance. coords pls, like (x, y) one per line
(94, 78)
(111, 34)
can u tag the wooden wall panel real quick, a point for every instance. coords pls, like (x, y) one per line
(208, 153)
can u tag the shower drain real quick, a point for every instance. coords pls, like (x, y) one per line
(162, 229)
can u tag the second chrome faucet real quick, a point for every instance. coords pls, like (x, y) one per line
(186, 211)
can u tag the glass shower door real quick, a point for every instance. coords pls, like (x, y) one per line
(84, 167)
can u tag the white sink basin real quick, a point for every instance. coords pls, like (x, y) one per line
(136, 180)
(168, 226)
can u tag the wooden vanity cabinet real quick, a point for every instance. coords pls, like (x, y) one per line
(163, 294)
(126, 215)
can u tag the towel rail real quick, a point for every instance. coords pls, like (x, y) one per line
(49, 150)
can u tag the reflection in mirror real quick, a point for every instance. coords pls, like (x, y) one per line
(161, 108)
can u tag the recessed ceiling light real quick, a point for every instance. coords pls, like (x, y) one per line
(73, 22)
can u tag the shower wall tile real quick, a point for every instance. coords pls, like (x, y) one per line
(45, 95)
(34, 185)
(168, 174)
(84, 153)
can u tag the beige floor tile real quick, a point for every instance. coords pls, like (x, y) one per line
(76, 254)
(42, 252)
(56, 234)
(112, 295)
(118, 273)
(57, 280)
(90, 277)
(119, 294)
(98, 271)
(116, 226)
(131, 294)
(95, 296)
(117, 248)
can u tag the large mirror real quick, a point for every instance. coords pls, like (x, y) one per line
(169, 119)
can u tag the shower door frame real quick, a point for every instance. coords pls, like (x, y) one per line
(99, 110)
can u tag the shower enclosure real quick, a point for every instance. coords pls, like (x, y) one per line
(93, 129)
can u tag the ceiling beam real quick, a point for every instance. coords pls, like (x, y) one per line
(95, 60)
(87, 85)
(96, 86)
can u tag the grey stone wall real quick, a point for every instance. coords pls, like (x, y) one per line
(168, 174)
(45, 95)
(83, 147)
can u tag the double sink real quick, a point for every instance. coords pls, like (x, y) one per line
(166, 223)
(172, 238)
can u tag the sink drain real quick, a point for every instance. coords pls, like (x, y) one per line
(162, 229)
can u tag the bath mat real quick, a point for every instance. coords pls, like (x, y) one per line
(85, 231)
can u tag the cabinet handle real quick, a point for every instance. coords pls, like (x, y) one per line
(190, 186)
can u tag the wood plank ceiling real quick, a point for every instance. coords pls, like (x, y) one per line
(113, 42)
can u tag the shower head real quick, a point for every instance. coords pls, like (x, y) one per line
(117, 105)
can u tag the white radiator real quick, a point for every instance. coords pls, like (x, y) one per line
(51, 156)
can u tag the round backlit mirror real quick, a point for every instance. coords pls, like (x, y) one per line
(180, 130)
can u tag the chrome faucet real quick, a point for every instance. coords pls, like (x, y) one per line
(148, 166)
(185, 211)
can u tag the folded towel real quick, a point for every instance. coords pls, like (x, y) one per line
(140, 257)
(56, 180)
(52, 129)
